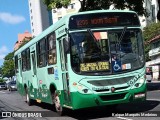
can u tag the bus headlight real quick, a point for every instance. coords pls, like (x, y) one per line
(82, 89)
(142, 80)
(139, 82)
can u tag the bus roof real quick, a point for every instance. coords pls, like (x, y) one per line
(97, 11)
(60, 23)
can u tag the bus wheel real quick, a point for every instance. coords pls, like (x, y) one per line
(28, 100)
(57, 104)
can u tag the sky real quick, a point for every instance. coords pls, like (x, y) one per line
(14, 19)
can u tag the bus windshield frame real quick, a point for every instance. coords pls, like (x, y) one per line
(103, 20)
(123, 55)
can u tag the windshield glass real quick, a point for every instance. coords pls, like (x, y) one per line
(2, 83)
(112, 51)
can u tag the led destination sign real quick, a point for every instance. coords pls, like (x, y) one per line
(108, 19)
(97, 21)
(97, 66)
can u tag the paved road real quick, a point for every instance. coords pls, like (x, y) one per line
(12, 101)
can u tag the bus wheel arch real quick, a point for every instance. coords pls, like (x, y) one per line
(52, 89)
(56, 100)
(27, 98)
(25, 87)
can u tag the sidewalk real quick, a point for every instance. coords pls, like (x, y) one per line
(155, 81)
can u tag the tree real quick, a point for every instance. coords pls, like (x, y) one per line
(52, 4)
(149, 33)
(1, 80)
(9, 56)
(8, 65)
(86, 5)
(0, 71)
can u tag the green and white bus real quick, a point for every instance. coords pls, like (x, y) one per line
(87, 59)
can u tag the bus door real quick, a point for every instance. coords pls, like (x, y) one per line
(65, 79)
(34, 73)
(19, 76)
(20, 69)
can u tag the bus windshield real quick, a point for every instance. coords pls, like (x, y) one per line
(107, 52)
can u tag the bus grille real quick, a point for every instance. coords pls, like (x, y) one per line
(109, 82)
(106, 90)
(112, 97)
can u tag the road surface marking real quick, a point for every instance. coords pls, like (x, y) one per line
(123, 118)
(2, 92)
(154, 99)
(154, 91)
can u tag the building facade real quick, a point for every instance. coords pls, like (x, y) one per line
(146, 20)
(21, 38)
(155, 9)
(154, 54)
(73, 7)
(151, 7)
(40, 17)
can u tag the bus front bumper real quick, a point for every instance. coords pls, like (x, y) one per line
(92, 100)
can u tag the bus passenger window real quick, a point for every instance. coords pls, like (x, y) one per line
(52, 57)
(16, 64)
(42, 60)
(24, 61)
(51, 49)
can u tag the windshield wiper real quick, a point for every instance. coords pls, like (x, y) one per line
(122, 35)
(94, 38)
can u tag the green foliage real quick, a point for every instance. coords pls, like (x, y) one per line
(8, 66)
(9, 56)
(150, 32)
(7, 69)
(0, 71)
(52, 4)
(1, 80)
(86, 5)
(147, 48)
(119, 4)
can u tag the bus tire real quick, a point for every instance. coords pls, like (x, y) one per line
(56, 101)
(28, 100)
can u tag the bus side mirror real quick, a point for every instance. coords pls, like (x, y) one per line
(66, 43)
